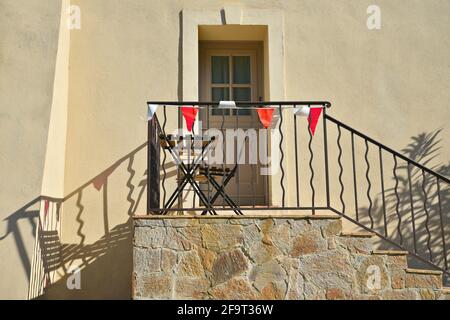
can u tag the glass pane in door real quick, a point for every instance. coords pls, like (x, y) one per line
(241, 70)
(242, 94)
(220, 69)
(220, 94)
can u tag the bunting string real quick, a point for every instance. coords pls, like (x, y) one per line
(265, 114)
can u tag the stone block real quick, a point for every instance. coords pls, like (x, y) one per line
(191, 288)
(168, 260)
(267, 273)
(400, 295)
(261, 253)
(398, 279)
(228, 265)
(149, 222)
(332, 228)
(307, 243)
(147, 260)
(222, 237)
(234, 289)
(423, 281)
(273, 291)
(189, 265)
(355, 245)
(154, 286)
(149, 237)
(207, 258)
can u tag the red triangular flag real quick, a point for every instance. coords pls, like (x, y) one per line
(46, 205)
(265, 116)
(313, 118)
(189, 114)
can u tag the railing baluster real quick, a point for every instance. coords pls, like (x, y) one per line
(163, 184)
(223, 153)
(153, 152)
(311, 158)
(282, 156)
(341, 169)
(325, 152)
(296, 161)
(238, 175)
(208, 165)
(369, 184)
(397, 205)
(191, 148)
(413, 218)
(442, 223)
(267, 181)
(425, 200)
(252, 166)
(355, 189)
(383, 197)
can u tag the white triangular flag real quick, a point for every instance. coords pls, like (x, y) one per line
(227, 105)
(302, 111)
(151, 111)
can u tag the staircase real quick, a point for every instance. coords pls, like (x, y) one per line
(282, 257)
(405, 283)
(399, 197)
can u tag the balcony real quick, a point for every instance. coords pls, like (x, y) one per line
(237, 160)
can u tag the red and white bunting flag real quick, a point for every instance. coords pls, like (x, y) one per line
(302, 111)
(46, 206)
(189, 114)
(151, 109)
(313, 115)
(313, 118)
(265, 116)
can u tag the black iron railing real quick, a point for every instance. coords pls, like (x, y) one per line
(337, 169)
(401, 200)
(158, 191)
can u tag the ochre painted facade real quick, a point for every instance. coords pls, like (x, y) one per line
(73, 103)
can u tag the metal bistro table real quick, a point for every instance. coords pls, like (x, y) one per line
(193, 172)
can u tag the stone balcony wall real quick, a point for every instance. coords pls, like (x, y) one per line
(268, 258)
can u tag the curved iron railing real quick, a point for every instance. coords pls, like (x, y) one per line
(366, 182)
(409, 214)
(158, 165)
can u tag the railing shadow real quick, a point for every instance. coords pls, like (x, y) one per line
(413, 213)
(29, 212)
(48, 268)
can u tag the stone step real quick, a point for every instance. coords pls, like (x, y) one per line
(358, 234)
(390, 252)
(446, 290)
(424, 271)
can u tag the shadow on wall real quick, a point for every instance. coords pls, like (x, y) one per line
(105, 267)
(105, 264)
(30, 213)
(417, 215)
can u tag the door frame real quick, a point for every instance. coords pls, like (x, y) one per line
(256, 50)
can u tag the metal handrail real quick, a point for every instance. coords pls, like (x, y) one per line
(401, 156)
(255, 104)
(423, 204)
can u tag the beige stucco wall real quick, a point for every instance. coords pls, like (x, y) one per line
(377, 81)
(126, 53)
(28, 45)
